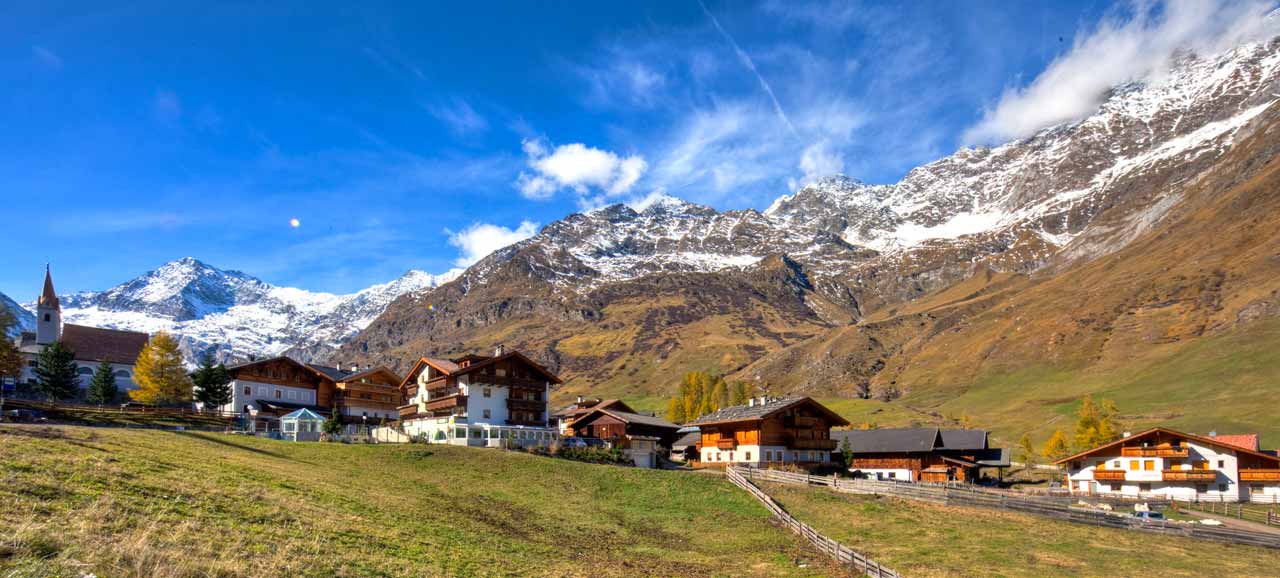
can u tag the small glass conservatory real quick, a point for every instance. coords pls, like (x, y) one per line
(302, 425)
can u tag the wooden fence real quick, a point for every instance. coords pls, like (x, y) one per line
(837, 551)
(1050, 507)
(1253, 512)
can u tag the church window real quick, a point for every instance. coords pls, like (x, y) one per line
(46, 317)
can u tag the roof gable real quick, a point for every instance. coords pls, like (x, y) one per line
(280, 359)
(625, 417)
(761, 411)
(372, 371)
(1213, 441)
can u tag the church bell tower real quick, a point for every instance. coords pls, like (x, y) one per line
(48, 313)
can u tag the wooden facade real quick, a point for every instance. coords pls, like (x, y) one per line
(286, 372)
(616, 425)
(767, 432)
(376, 390)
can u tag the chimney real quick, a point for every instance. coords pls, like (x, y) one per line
(355, 367)
(751, 402)
(500, 350)
(1213, 434)
(1127, 434)
(764, 399)
(579, 400)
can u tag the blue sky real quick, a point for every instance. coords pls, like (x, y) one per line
(423, 135)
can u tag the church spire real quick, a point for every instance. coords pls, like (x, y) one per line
(48, 298)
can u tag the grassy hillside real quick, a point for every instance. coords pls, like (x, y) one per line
(925, 540)
(150, 503)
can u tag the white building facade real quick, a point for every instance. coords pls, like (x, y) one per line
(498, 401)
(1166, 464)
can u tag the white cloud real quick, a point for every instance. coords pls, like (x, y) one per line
(818, 160)
(1121, 49)
(480, 239)
(590, 172)
(460, 117)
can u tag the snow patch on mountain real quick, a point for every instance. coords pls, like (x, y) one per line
(231, 315)
(25, 320)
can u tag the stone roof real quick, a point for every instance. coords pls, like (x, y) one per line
(99, 344)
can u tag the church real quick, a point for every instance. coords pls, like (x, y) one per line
(91, 345)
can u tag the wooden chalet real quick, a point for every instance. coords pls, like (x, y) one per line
(768, 431)
(1168, 464)
(267, 389)
(579, 408)
(467, 399)
(920, 454)
(609, 423)
(365, 397)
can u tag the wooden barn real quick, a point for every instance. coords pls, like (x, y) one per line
(921, 454)
(612, 424)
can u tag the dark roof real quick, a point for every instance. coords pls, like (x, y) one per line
(762, 410)
(48, 297)
(964, 439)
(687, 440)
(99, 344)
(631, 418)
(993, 457)
(893, 440)
(334, 373)
(575, 411)
(26, 339)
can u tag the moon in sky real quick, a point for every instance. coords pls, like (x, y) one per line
(294, 222)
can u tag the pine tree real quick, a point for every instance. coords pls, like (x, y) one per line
(102, 389)
(56, 376)
(10, 359)
(1027, 450)
(1056, 447)
(211, 384)
(333, 424)
(159, 373)
(846, 453)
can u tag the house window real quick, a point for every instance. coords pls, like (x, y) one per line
(1117, 464)
(293, 394)
(1133, 465)
(486, 412)
(488, 392)
(748, 458)
(248, 390)
(1149, 465)
(1220, 464)
(1222, 487)
(893, 475)
(85, 371)
(1115, 487)
(277, 394)
(1144, 487)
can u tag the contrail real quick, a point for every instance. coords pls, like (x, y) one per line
(751, 65)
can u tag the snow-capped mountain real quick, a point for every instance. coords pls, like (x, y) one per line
(233, 315)
(25, 320)
(1045, 191)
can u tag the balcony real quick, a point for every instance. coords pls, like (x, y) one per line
(800, 421)
(407, 410)
(527, 423)
(726, 444)
(526, 405)
(1202, 476)
(1259, 475)
(446, 403)
(443, 392)
(825, 445)
(1165, 452)
(1108, 475)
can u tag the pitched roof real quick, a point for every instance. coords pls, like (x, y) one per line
(334, 373)
(370, 371)
(99, 344)
(478, 361)
(1244, 441)
(1214, 441)
(687, 440)
(892, 440)
(303, 413)
(964, 439)
(575, 411)
(316, 369)
(630, 418)
(762, 410)
(48, 297)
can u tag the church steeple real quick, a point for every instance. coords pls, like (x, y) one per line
(48, 313)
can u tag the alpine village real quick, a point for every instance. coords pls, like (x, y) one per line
(1054, 351)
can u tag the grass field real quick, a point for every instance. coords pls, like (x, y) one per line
(149, 503)
(924, 540)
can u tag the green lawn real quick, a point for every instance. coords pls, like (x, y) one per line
(924, 540)
(148, 503)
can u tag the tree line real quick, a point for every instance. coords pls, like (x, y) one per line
(159, 372)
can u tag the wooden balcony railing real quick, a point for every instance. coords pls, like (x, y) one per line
(1108, 475)
(1203, 476)
(1169, 452)
(446, 403)
(1259, 475)
(827, 445)
(443, 392)
(526, 405)
(406, 410)
(726, 444)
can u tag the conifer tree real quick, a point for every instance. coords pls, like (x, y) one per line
(56, 376)
(160, 374)
(333, 424)
(846, 452)
(102, 388)
(1056, 447)
(211, 384)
